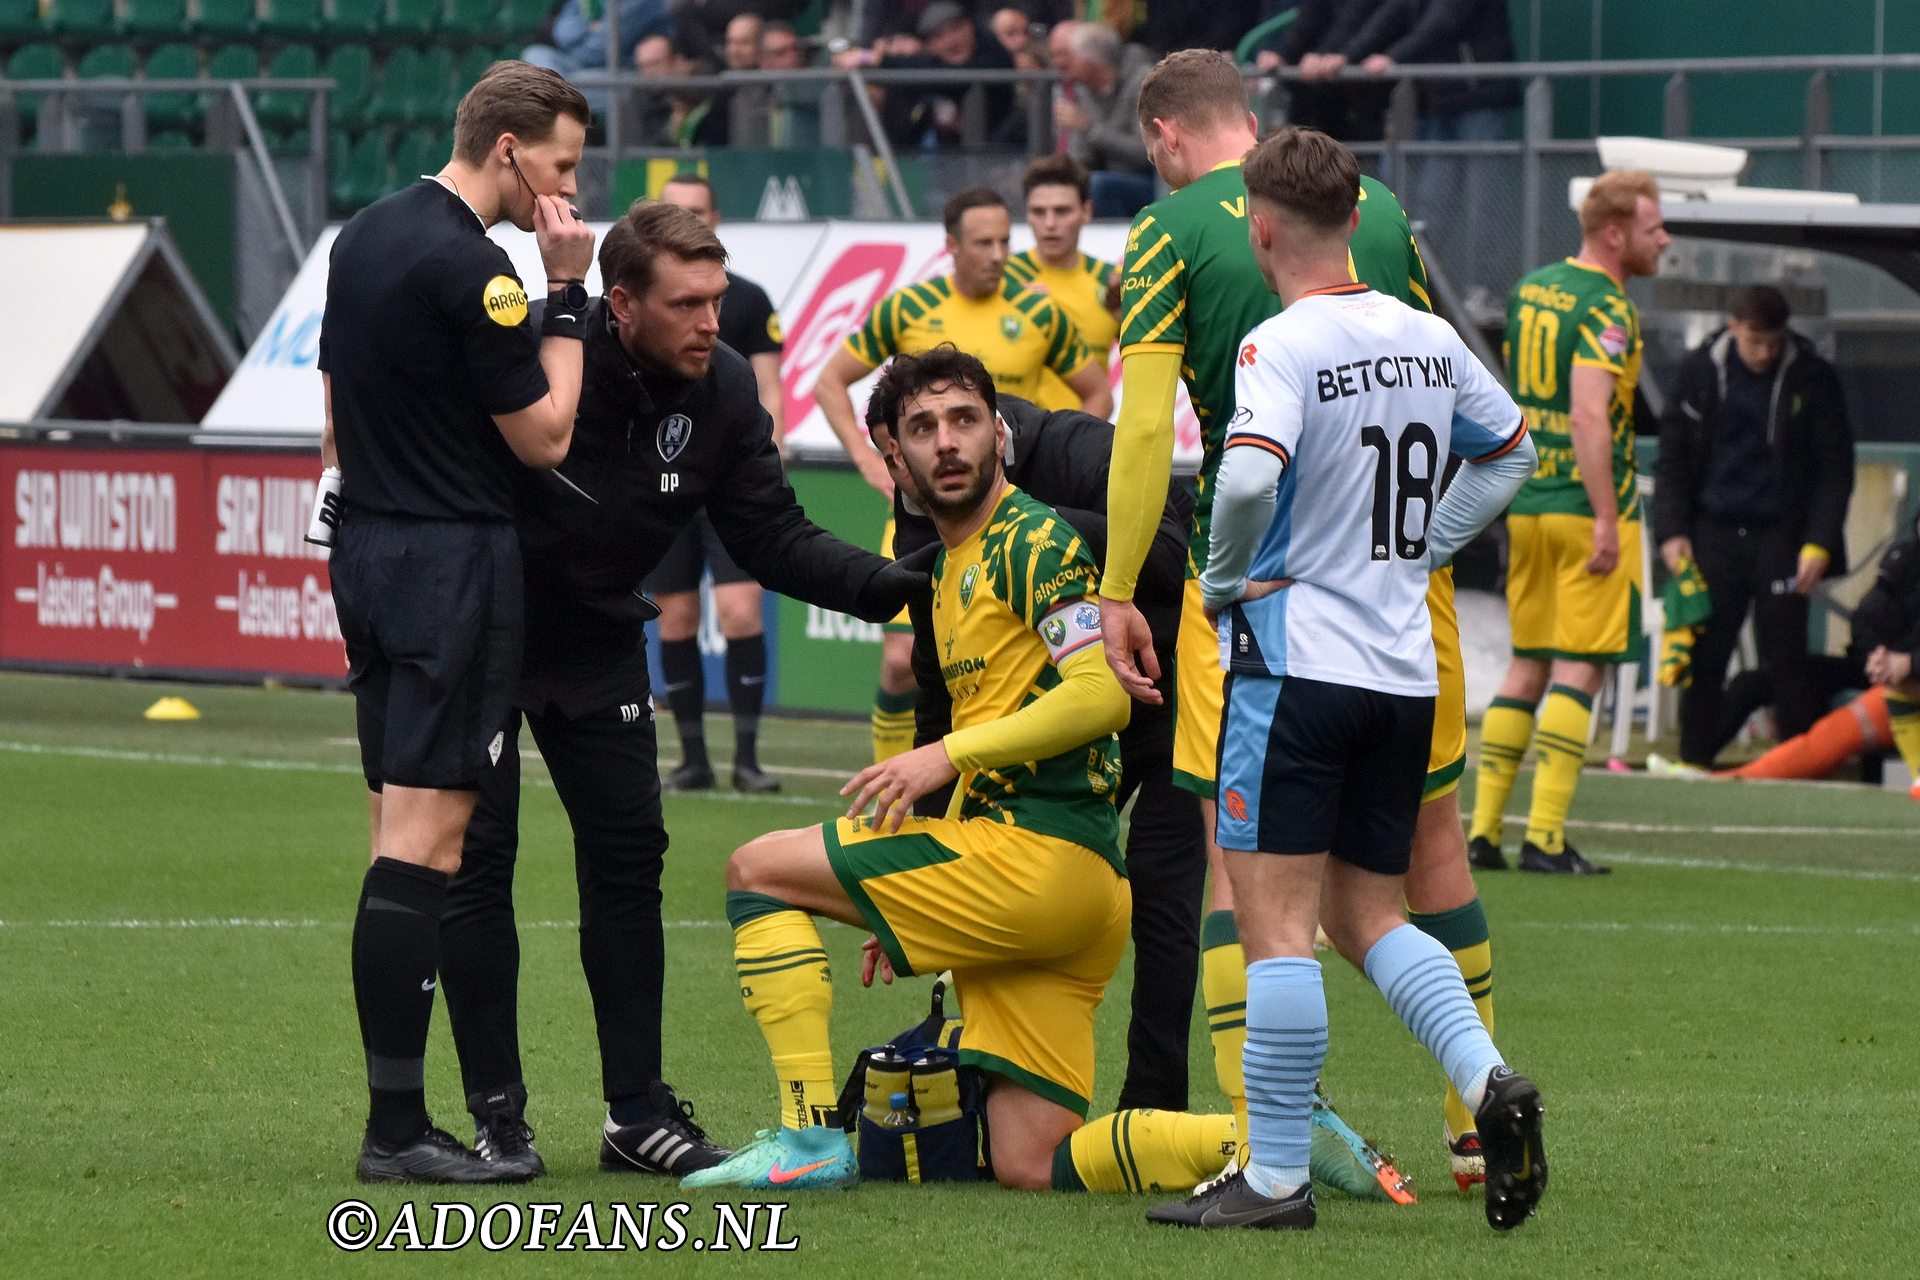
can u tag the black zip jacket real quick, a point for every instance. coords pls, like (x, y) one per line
(649, 451)
(1061, 458)
(1806, 427)
(1434, 31)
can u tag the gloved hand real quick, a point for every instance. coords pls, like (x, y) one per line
(903, 582)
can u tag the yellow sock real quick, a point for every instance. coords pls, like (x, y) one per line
(892, 723)
(1561, 741)
(1903, 718)
(1144, 1150)
(1463, 932)
(788, 989)
(1505, 730)
(1223, 981)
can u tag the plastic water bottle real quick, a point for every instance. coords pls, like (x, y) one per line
(901, 1113)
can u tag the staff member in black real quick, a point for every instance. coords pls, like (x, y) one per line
(1753, 481)
(748, 325)
(437, 391)
(1061, 458)
(669, 424)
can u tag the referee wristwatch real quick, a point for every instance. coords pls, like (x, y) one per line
(566, 313)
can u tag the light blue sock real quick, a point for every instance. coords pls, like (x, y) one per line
(1286, 1047)
(1423, 984)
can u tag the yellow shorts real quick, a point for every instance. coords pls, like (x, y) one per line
(1447, 756)
(1559, 610)
(1199, 697)
(901, 623)
(1033, 928)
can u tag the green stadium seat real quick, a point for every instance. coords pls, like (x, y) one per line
(154, 19)
(291, 19)
(107, 62)
(34, 62)
(172, 112)
(367, 172)
(521, 22)
(20, 20)
(350, 67)
(84, 19)
(287, 108)
(473, 65)
(353, 19)
(234, 62)
(416, 153)
(293, 142)
(226, 19)
(393, 88)
(170, 140)
(469, 21)
(410, 19)
(432, 100)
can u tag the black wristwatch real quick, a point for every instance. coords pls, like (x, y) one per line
(566, 310)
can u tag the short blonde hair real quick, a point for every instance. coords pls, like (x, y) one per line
(1613, 198)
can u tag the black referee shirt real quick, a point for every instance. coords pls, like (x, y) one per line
(425, 337)
(747, 320)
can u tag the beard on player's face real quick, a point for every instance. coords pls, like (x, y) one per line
(950, 484)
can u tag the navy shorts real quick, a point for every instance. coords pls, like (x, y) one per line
(697, 547)
(432, 614)
(1312, 767)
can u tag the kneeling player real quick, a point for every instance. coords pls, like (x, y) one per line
(1022, 894)
(1324, 531)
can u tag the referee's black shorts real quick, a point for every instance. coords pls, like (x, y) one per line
(432, 615)
(696, 547)
(1307, 766)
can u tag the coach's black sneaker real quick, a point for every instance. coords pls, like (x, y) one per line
(754, 780)
(1485, 854)
(1567, 862)
(668, 1142)
(1516, 1161)
(1232, 1203)
(433, 1156)
(694, 775)
(501, 1136)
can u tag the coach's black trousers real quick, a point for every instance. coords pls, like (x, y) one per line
(1748, 566)
(605, 767)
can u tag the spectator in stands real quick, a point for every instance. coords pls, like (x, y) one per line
(679, 118)
(793, 109)
(1315, 44)
(1014, 30)
(1754, 477)
(780, 48)
(743, 41)
(579, 41)
(703, 24)
(934, 118)
(1189, 24)
(1101, 120)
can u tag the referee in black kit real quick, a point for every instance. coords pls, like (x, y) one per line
(437, 391)
(670, 424)
(750, 326)
(1060, 458)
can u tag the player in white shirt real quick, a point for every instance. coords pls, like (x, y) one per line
(1326, 524)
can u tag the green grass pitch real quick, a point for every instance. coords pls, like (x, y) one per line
(1725, 1030)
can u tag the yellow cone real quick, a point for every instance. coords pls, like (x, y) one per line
(172, 709)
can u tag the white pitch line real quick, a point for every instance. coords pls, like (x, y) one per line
(1763, 868)
(1720, 829)
(1726, 928)
(244, 922)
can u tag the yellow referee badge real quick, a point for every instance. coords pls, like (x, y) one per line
(505, 300)
(773, 327)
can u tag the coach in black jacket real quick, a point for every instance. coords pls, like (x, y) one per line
(670, 422)
(1755, 472)
(1061, 459)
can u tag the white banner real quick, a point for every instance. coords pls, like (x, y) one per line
(823, 277)
(61, 279)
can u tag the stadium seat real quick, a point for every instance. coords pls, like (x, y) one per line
(433, 98)
(410, 19)
(286, 108)
(418, 152)
(469, 21)
(20, 20)
(172, 112)
(393, 90)
(170, 140)
(368, 171)
(228, 19)
(84, 19)
(154, 19)
(34, 62)
(473, 65)
(522, 22)
(350, 67)
(291, 19)
(234, 62)
(107, 62)
(353, 19)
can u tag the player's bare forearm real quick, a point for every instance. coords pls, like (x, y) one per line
(831, 393)
(1091, 385)
(773, 396)
(1593, 454)
(329, 447)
